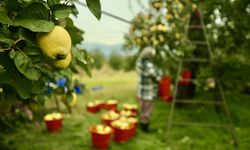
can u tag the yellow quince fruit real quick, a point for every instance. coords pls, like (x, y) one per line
(63, 63)
(73, 101)
(55, 44)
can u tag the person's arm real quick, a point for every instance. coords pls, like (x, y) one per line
(153, 71)
(158, 74)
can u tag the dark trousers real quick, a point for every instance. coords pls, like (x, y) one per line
(146, 107)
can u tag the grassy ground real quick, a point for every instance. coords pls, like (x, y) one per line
(121, 86)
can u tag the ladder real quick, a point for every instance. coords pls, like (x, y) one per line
(220, 102)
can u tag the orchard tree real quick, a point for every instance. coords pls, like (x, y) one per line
(163, 28)
(116, 61)
(99, 59)
(38, 44)
(227, 25)
(229, 33)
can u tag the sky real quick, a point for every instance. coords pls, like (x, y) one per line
(108, 30)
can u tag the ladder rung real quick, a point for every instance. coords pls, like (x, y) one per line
(196, 59)
(195, 80)
(199, 42)
(190, 101)
(195, 27)
(201, 124)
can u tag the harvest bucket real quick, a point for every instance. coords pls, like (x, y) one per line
(100, 141)
(54, 125)
(164, 87)
(107, 121)
(101, 105)
(186, 75)
(111, 106)
(128, 113)
(92, 109)
(132, 131)
(133, 110)
(121, 135)
(133, 121)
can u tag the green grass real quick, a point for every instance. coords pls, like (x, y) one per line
(75, 133)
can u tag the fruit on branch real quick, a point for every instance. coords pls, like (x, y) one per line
(72, 101)
(55, 44)
(194, 7)
(63, 63)
(156, 4)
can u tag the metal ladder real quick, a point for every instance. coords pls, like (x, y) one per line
(220, 102)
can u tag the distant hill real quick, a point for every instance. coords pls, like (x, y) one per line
(107, 50)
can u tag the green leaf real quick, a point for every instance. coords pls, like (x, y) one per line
(5, 39)
(37, 87)
(75, 33)
(86, 68)
(36, 11)
(74, 69)
(46, 69)
(13, 78)
(11, 5)
(74, 10)
(53, 2)
(95, 7)
(80, 55)
(36, 25)
(4, 18)
(12, 53)
(28, 36)
(69, 97)
(32, 50)
(83, 58)
(40, 99)
(2, 70)
(35, 17)
(25, 66)
(61, 11)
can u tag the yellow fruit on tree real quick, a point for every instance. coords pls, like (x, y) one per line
(194, 7)
(73, 101)
(63, 63)
(157, 4)
(55, 44)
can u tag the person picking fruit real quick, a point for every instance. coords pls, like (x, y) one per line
(149, 76)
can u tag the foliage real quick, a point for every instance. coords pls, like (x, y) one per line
(229, 35)
(232, 71)
(22, 64)
(99, 59)
(116, 61)
(163, 28)
(130, 62)
(180, 138)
